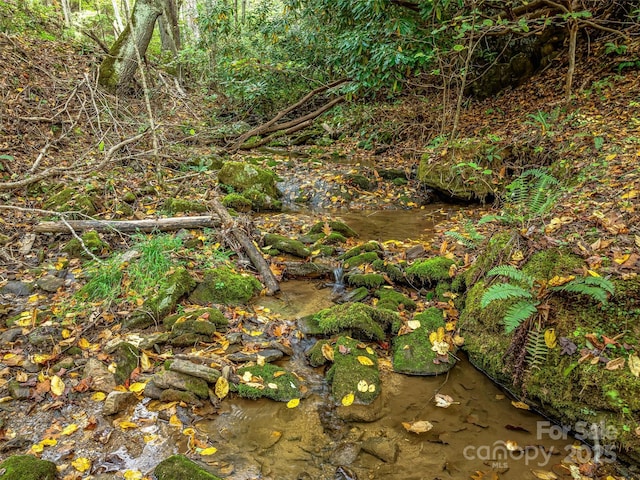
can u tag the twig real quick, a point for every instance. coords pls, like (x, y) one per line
(41, 155)
(77, 237)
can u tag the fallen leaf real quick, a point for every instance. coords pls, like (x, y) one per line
(544, 475)
(81, 464)
(69, 429)
(520, 405)
(348, 399)
(550, 338)
(615, 364)
(634, 364)
(557, 280)
(98, 396)
(125, 424)
(57, 385)
(419, 426)
(365, 361)
(363, 386)
(327, 352)
(137, 387)
(132, 475)
(444, 401)
(222, 388)
(293, 403)
(413, 324)
(208, 451)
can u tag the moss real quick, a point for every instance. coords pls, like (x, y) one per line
(546, 264)
(498, 251)
(179, 467)
(369, 280)
(392, 299)
(357, 295)
(412, 353)
(69, 200)
(367, 257)
(126, 358)
(359, 181)
(92, 242)
(354, 366)
(441, 289)
(242, 176)
(361, 320)
(268, 376)
(334, 238)
(339, 227)
(213, 315)
(190, 332)
(223, 285)
(237, 201)
(27, 467)
(360, 249)
(393, 271)
(430, 271)
(260, 201)
(315, 355)
(286, 245)
(129, 197)
(179, 205)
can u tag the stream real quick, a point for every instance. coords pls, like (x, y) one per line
(481, 432)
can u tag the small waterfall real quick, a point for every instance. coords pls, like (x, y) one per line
(338, 284)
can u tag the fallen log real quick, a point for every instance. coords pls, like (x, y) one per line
(148, 225)
(258, 261)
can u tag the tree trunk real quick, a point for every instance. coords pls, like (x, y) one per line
(66, 11)
(119, 67)
(170, 31)
(119, 24)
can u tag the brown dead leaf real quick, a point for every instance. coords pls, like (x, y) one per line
(544, 475)
(419, 426)
(615, 364)
(520, 405)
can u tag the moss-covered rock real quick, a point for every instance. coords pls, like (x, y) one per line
(360, 249)
(173, 287)
(369, 280)
(286, 245)
(392, 270)
(315, 355)
(181, 205)
(354, 372)
(191, 332)
(126, 357)
(260, 201)
(179, 467)
(413, 353)
(498, 251)
(340, 227)
(359, 181)
(334, 238)
(367, 257)
(243, 176)
(268, 381)
(166, 379)
(237, 201)
(429, 271)
(27, 467)
(224, 286)
(210, 314)
(70, 200)
(391, 300)
(359, 319)
(92, 242)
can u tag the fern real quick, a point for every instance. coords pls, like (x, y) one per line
(467, 242)
(512, 273)
(491, 218)
(503, 291)
(518, 313)
(597, 288)
(537, 349)
(530, 194)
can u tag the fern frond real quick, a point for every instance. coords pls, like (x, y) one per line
(531, 193)
(518, 313)
(537, 349)
(467, 242)
(596, 292)
(491, 218)
(511, 273)
(503, 291)
(603, 283)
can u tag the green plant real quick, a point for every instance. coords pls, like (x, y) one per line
(469, 236)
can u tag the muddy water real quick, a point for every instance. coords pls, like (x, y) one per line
(482, 432)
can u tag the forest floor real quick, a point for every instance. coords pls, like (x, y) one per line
(57, 129)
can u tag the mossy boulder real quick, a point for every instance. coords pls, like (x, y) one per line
(334, 238)
(392, 270)
(358, 319)
(72, 200)
(225, 286)
(559, 384)
(242, 176)
(369, 280)
(354, 372)
(210, 314)
(92, 242)
(192, 331)
(166, 379)
(27, 467)
(340, 227)
(413, 353)
(315, 354)
(286, 245)
(237, 201)
(391, 300)
(360, 249)
(261, 201)
(429, 271)
(173, 287)
(126, 357)
(181, 205)
(268, 381)
(465, 170)
(363, 258)
(179, 467)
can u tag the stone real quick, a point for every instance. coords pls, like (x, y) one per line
(18, 391)
(269, 355)
(345, 453)
(117, 402)
(151, 390)
(354, 372)
(179, 467)
(10, 335)
(166, 379)
(273, 382)
(173, 395)
(286, 245)
(27, 467)
(17, 288)
(102, 379)
(382, 448)
(92, 242)
(210, 375)
(244, 176)
(126, 357)
(49, 283)
(224, 286)
(361, 413)
(44, 336)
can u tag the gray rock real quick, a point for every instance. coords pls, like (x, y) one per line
(18, 391)
(382, 448)
(102, 379)
(151, 390)
(269, 356)
(49, 283)
(20, 289)
(44, 336)
(362, 413)
(345, 454)
(10, 335)
(173, 380)
(117, 402)
(211, 375)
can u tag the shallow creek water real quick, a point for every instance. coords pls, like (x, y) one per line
(483, 432)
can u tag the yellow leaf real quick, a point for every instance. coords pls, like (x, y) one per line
(174, 421)
(348, 399)
(557, 280)
(151, 437)
(327, 352)
(125, 424)
(40, 358)
(363, 386)
(137, 387)
(69, 429)
(57, 385)
(630, 195)
(634, 364)
(520, 405)
(279, 373)
(610, 157)
(190, 432)
(365, 360)
(293, 403)
(49, 442)
(517, 256)
(550, 338)
(65, 333)
(132, 475)
(433, 337)
(98, 396)
(82, 464)
(620, 258)
(145, 363)
(636, 239)
(369, 350)
(222, 388)
(544, 474)
(413, 324)
(208, 451)
(84, 344)
(450, 326)
(593, 273)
